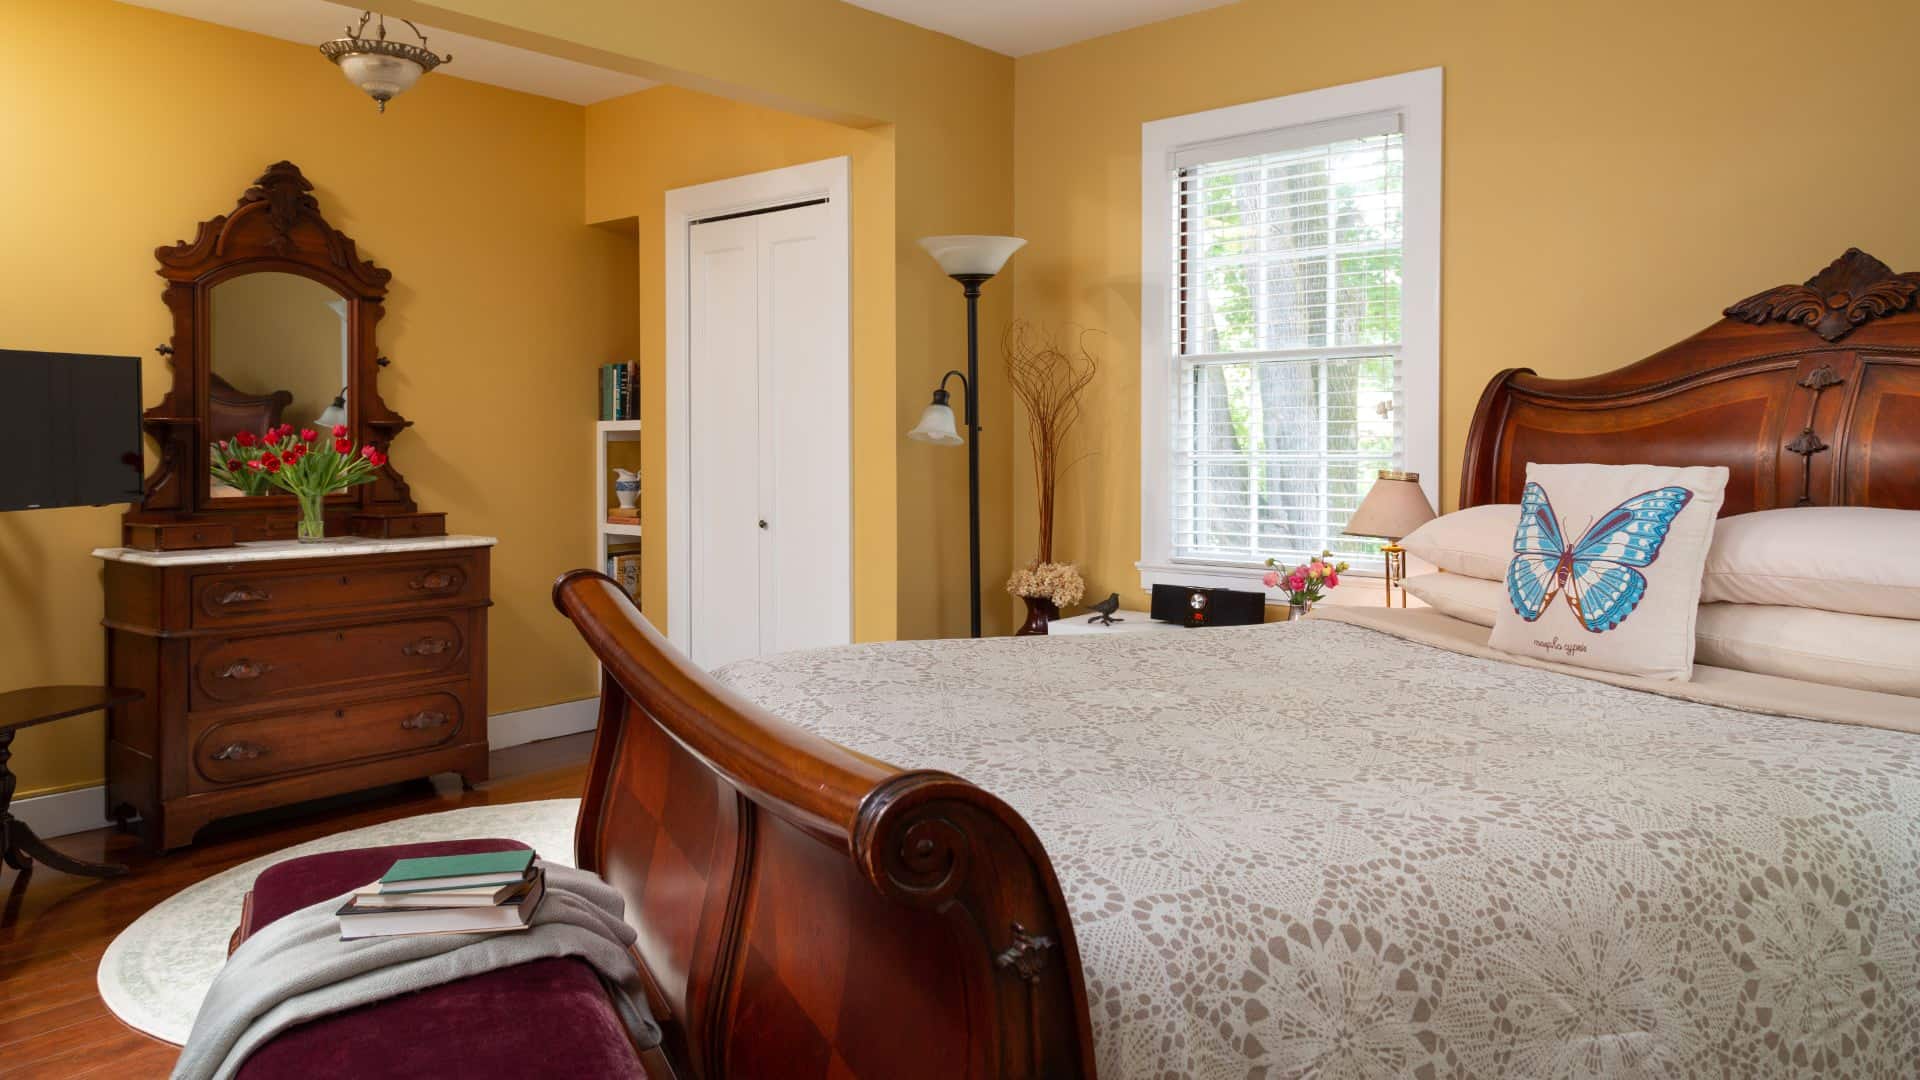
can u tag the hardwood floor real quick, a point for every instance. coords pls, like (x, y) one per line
(54, 927)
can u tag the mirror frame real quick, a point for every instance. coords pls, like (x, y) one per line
(275, 226)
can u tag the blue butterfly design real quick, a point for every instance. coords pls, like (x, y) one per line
(1596, 575)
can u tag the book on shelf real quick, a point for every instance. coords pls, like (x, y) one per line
(623, 566)
(620, 391)
(624, 515)
(489, 869)
(513, 912)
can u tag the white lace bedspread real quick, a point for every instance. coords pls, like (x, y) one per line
(1318, 850)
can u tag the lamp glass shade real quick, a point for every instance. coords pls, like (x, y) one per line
(983, 255)
(937, 426)
(1394, 507)
(335, 413)
(381, 76)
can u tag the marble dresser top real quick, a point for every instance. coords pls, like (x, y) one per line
(270, 550)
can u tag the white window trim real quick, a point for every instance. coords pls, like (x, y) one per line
(1417, 95)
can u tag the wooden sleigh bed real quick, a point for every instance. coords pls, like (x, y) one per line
(806, 911)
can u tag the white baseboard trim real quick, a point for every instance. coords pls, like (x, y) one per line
(545, 722)
(64, 812)
(85, 809)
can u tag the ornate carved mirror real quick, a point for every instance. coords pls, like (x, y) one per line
(273, 323)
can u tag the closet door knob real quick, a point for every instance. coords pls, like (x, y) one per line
(763, 523)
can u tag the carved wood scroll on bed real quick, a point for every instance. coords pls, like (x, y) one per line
(1809, 394)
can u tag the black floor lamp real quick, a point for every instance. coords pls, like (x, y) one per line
(969, 260)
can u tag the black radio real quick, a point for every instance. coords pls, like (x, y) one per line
(1208, 607)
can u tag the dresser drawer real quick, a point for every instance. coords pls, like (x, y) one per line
(261, 748)
(240, 670)
(264, 596)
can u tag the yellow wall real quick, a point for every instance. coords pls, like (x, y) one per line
(1615, 175)
(643, 145)
(949, 108)
(502, 305)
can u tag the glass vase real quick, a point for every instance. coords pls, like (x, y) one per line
(313, 521)
(1298, 609)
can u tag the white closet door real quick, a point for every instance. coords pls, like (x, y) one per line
(724, 410)
(771, 442)
(805, 429)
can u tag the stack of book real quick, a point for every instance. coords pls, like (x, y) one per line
(623, 515)
(623, 566)
(448, 894)
(620, 391)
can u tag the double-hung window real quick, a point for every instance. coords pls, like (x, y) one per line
(1290, 346)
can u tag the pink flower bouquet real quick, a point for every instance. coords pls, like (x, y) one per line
(1306, 584)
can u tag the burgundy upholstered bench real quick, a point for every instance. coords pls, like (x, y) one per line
(544, 1018)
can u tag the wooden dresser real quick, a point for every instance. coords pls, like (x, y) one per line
(278, 671)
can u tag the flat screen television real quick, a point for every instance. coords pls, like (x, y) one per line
(69, 429)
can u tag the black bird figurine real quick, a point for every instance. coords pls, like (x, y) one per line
(1103, 611)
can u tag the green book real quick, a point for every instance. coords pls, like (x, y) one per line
(456, 871)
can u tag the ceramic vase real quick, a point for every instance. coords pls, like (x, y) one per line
(1298, 609)
(1040, 612)
(626, 487)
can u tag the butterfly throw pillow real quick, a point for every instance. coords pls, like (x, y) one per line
(1606, 568)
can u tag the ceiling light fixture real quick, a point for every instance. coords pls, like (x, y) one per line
(380, 67)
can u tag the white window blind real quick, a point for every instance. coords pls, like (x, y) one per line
(1286, 338)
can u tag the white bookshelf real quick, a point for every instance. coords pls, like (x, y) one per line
(605, 532)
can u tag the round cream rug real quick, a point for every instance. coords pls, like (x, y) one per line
(155, 973)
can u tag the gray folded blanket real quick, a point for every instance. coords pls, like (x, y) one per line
(297, 969)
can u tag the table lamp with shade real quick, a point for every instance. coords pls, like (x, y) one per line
(969, 260)
(1393, 508)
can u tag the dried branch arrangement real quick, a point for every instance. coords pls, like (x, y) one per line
(1049, 380)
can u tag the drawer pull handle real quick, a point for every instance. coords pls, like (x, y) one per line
(245, 669)
(425, 718)
(428, 646)
(431, 581)
(239, 752)
(243, 594)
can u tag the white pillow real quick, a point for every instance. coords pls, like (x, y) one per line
(1858, 559)
(1831, 648)
(1861, 651)
(1477, 541)
(1606, 566)
(1469, 599)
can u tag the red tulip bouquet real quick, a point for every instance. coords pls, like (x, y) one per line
(308, 467)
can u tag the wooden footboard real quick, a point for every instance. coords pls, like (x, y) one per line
(805, 911)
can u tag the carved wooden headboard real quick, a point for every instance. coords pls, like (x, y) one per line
(1809, 393)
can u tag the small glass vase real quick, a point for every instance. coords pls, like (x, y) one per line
(313, 521)
(1298, 609)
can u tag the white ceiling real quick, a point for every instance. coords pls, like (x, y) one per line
(311, 22)
(1019, 27)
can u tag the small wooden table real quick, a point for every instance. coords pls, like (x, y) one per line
(19, 847)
